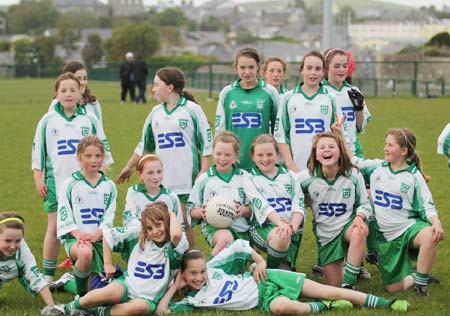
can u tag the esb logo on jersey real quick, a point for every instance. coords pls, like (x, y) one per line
(246, 120)
(170, 140)
(332, 209)
(226, 293)
(147, 271)
(67, 146)
(349, 113)
(388, 200)
(280, 204)
(91, 215)
(309, 126)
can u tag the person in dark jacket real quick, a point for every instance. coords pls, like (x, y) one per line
(140, 77)
(127, 78)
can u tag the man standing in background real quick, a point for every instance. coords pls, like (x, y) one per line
(127, 78)
(140, 77)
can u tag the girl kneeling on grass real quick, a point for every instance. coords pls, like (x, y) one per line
(408, 224)
(221, 283)
(154, 254)
(17, 261)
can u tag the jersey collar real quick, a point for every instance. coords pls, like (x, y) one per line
(282, 90)
(181, 101)
(298, 89)
(261, 83)
(345, 84)
(142, 189)
(412, 168)
(60, 110)
(78, 176)
(257, 172)
(224, 176)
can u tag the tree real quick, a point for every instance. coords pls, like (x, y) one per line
(143, 39)
(172, 17)
(23, 52)
(212, 23)
(440, 40)
(68, 34)
(31, 17)
(44, 48)
(82, 18)
(92, 52)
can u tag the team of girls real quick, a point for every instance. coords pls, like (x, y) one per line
(54, 157)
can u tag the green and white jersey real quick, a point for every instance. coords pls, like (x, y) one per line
(213, 183)
(401, 198)
(344, 103)
(138, 198)
(150, 268)
(84, 206)
(278, 194)
(55, 143)
(300, 118)
(228, 286)
(93, 108)
(444, 143)
(180, 138)
(22, 265)
(334, 203)
(283, 90)
(247, 113)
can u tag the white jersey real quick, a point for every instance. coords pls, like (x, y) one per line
(150, 268)
(93, 108)
(138, 198)
(444, 143)
(22, 265)
(228, 287)
(85, 207)
(278, 194)
(180, 138)
(334, 203)
(55, 143)
(212, 183)
(344, 103)
(300, 118)
(400, 198)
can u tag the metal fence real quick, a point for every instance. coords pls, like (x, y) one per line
(374, 78)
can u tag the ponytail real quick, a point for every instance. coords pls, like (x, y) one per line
(189, 96)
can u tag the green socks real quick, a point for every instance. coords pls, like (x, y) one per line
(48, 267)
(274, 257)
(373, 301)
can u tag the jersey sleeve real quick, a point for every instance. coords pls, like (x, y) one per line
(98, 127)
(422, 199)
(275, 96)
(204, 134)
(444, 142)
(298, 201)
(118, 238)
(107, 220)
(195, 199)
(234, 258)
(30, 277)
(259, 205)
(176, 208)
(65, 219)
(98, 111)
(38, 151)
(366, 166)
(362, 200)
(130, 217)
(282, 123)
(51, 107)
(147, 142)
(220, 112)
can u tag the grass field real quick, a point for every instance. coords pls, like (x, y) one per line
(23, 102)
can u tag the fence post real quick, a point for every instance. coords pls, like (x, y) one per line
(442, 87)
(210, 84)
(416, 74)
(376, 87)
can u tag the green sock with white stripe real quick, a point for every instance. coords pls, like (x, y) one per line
(420, 278)
(317, 307)
(48, 267)
(81, 279)
(373, 301)
(351, 274)
(101, 311)
(274, 257)
(75, 304)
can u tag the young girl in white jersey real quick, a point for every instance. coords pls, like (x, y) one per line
(222, 283)
(248, 106)
(340, 205)
(154, 254)
(178, 131)
(17, 261)
(274, 72)
(277, 205)
(224, 178)
(86, 206)
(408, 224)
(444, 143)
(54, 155)
(87, 100)
(306, 111)
(150, 171)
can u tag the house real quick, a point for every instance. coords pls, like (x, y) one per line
(93, 6)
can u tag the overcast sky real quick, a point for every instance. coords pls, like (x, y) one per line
(437, 3)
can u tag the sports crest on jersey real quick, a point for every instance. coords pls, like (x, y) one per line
(404, 188)
(232, 105)
(216, 276)
(84, 130)
(260, 104)
(346, 193)
(324, 109)
(63, 213)
(183, 123)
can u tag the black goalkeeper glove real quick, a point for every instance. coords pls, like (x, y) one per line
(357, 99)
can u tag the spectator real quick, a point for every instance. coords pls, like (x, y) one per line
(127, 78)
(140, 77)
(351, 66)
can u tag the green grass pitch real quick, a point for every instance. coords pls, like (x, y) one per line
(23, 102)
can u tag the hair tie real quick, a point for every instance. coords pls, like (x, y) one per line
(145, 157)
(332, 50)
(11, 219)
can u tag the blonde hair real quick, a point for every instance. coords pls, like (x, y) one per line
(157, 211)
(264, 139)
(228, 137)
(90, 140)
(66, 76)
(11, 220)
(406, 138)
(344, 162)
(272, 59)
